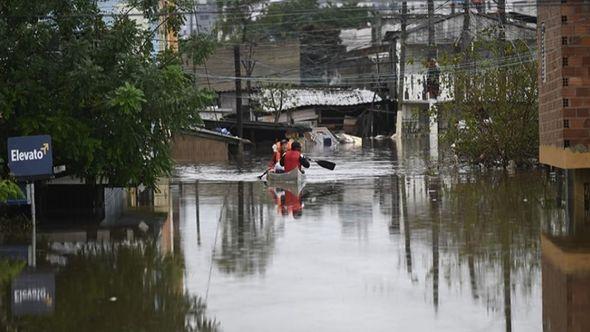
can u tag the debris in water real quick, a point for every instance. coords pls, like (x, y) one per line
(143, 227)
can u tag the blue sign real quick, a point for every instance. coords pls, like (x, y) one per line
(30, 156)
(33, 293)
(15, 252)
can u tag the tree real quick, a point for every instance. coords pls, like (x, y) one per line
(317, 27)
(492, 123)
(8, 189)
(110, 104)
(274, 97)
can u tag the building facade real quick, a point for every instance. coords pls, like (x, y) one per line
(564, 84)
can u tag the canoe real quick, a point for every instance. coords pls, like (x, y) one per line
(294, 176)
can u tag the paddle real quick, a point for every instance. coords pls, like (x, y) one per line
(263, 174)
(324, 163)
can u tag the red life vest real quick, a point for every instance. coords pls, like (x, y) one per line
(292, 160)
(276, 156)
(293, 202)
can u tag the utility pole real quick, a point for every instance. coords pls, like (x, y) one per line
(402, 60)
(465, 38)
(431, 45)
(502, 17)
(502, 39)
(238, 75)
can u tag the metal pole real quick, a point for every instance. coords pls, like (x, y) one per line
(34, 230)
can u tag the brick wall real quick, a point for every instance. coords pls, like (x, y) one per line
(564, 82)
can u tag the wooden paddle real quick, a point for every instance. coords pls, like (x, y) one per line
(324, 163)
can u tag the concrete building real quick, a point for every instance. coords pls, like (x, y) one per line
(448, 34)
(564, 84)
(201, 20)
(271, 62)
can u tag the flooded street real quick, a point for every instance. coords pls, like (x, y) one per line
(390, 240)
(377, 245)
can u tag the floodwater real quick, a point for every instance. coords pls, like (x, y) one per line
(395, 238)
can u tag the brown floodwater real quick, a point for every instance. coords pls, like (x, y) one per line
(395, 238)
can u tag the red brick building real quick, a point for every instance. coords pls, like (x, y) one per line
(564, 83)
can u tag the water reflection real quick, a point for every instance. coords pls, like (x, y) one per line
(416, 249)
(565, 252)
(447, 240)
(246, 238)
(288, 200)
(120, 277)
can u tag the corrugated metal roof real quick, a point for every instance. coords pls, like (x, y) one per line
(295, 98)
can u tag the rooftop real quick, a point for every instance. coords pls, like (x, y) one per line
(295, 98)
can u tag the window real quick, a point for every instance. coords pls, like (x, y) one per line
(565, 61)
(564, 19)
(563, 40)
(566, 81)
(566, 102)
(543, 54)
(566, 123)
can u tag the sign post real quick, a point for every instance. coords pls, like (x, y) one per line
(30, 158)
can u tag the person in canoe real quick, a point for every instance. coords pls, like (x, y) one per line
(279, 149)
(293, 159)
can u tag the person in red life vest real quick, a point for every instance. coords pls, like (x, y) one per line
(293, 158)
(276, 154)
(279, 150)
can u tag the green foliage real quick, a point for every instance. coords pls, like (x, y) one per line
(238, 19)
(8, 190)
(197, 47)
(493, 88)
(292, 19)
(96, 88)
(9, 269)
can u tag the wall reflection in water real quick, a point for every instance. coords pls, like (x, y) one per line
(565, 245)
(123, 276)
